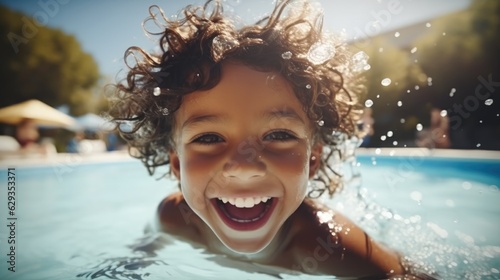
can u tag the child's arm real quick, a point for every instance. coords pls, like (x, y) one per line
(322, 248)
(175, 217)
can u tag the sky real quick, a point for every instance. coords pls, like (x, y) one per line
(106, 28)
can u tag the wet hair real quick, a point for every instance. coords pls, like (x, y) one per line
(194, 46)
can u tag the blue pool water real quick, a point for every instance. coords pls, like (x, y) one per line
(81, 221)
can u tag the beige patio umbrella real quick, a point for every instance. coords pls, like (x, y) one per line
(37, 111)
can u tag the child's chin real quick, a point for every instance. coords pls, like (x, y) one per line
(246, 248)
(246, 242)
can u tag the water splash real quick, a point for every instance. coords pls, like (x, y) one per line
(286, 55)
(164, 111)
(222, 44)
(360, 62)
(320, 52)
(368, 103)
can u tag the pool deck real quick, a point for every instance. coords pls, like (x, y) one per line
(33, 160)
(19, 159)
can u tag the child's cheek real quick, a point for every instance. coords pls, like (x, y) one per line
(293, 170)
(196, 174)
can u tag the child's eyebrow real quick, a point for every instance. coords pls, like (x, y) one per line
(285, 113)
(198, 119)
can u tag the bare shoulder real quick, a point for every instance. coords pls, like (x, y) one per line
(176, 217)
(327, 242)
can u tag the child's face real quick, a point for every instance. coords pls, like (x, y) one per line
(245, 140)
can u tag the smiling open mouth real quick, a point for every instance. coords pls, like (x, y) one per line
(244, 213)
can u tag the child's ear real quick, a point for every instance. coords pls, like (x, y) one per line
(315, 159)
(174, 164)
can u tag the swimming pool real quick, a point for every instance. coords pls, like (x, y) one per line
(80, 220)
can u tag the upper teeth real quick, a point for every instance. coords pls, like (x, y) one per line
(244, 202)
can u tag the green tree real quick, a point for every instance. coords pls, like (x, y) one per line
(393, 72)
(460, 52)
(43, 63)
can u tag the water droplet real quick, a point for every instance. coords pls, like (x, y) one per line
(449, 203)
(383, 137)
(377, 151)
(385, 82)
(286, 55)
(221, 44)
(428, 24)
(395, 143)
(319, 53)
(414, 50)
(165, 111)
(308, 86)
(480, 121)
(389, 133)
(478, 145)
(488, 102)
(397, 34)
(402, 120)
(415, 195)
(443, 113)
(360, 61)
(444, 33)
(417, 87)
(156, 91)
(419, 127)
(466, 185)
(321, 122)
(400, 103)
(452, 92)
(368, 103)
(378, 95)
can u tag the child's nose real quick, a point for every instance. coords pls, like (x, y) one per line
(244, 169)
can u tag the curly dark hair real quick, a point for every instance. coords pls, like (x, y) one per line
(193, 47)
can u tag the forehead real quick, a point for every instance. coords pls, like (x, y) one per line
(244, 91)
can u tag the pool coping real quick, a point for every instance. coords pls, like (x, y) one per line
(433, 153)
(32, 160)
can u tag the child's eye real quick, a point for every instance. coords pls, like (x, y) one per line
(208, 139)
(279, 136)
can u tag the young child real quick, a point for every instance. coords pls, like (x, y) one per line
(246, 118)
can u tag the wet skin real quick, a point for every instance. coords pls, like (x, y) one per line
(250, 138)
